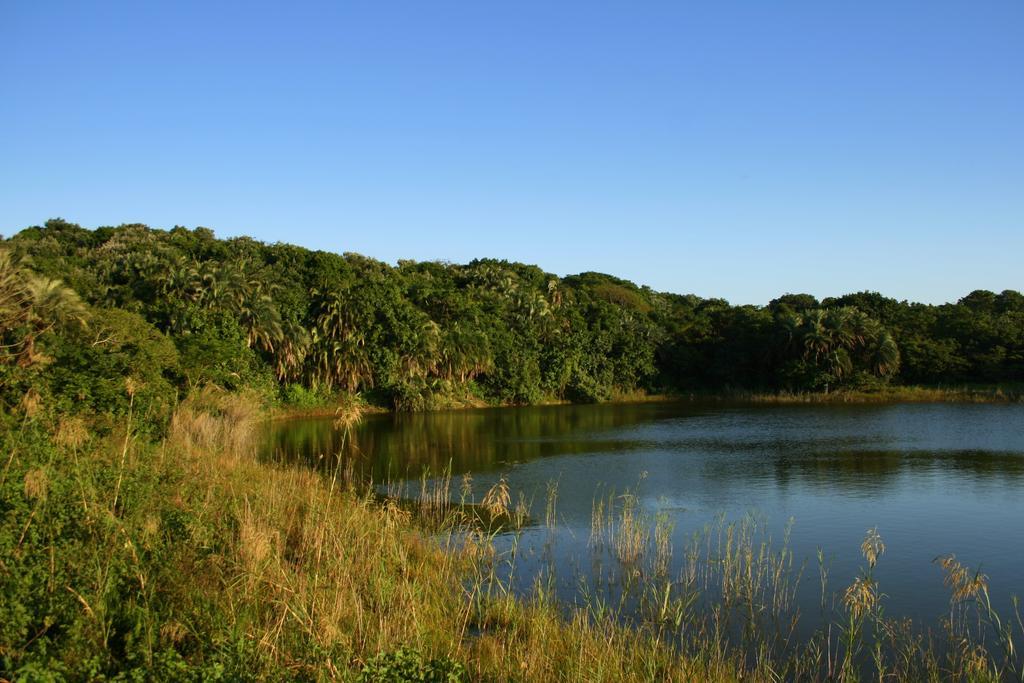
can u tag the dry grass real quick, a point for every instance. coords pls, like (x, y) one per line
(497, 501)
(326, 567)
(213, 421)
(315, 562)
(631, 534)
(890, 394)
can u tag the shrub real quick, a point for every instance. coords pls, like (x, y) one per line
(299, 396)
(407, 664)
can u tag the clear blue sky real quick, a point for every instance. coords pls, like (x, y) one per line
(733, 149)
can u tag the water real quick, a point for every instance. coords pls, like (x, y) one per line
(934, 478)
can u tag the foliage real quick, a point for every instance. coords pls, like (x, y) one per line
(33, 308)
(93, 367)
(301, 324)
(298, 396)
(409, 665)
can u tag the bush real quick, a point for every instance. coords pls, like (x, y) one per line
(121, 360)
(585, 389)
(299, 396)
(407, 664)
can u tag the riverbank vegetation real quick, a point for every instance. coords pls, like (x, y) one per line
(302, 327)
(889, 393)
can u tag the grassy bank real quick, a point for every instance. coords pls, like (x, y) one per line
(889, 394)
(188, 559)
(892, 394)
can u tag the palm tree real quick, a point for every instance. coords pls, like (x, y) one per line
(464, 353)
(838, 324)
(30, 306)
(233, 289)
(816, 338)
(259, 317)
(555, 293)
(839, 363)
(338, 346)
(290, 354)
(420, 356)
(885, 355)
(788, 326)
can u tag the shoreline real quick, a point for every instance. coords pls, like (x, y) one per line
(228, 548)
(996, 394)
(901, 394)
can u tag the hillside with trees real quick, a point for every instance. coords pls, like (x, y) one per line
(179, 309)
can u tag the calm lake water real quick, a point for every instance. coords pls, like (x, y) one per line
(934, 478)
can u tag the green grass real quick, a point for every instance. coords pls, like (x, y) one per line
(1010, 393)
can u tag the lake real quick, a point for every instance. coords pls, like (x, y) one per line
(933, 478)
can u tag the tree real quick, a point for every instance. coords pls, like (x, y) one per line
(30, 307)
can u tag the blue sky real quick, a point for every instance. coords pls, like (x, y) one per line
(732, 149)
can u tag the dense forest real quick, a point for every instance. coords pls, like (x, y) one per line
(178, 309)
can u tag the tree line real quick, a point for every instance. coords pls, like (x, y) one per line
(86, 310)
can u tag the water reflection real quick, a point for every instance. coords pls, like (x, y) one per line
(399, 445)
(825, 446)
(935, 479)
